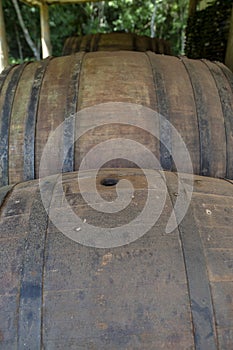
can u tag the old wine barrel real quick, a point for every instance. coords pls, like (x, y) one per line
(161, 291)
(194, 96)
(115, 42)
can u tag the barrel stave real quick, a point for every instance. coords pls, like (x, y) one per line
(137, 295)
(194, 96)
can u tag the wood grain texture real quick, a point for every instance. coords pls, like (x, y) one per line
(115, 42)
(5, 120)
(148, 294)
(195, 96)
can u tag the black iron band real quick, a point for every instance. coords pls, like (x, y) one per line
(69, 122)
(3, 76)
(197, 278)
(202, 116)
(32, 273)
(30, 124)
(227, 107)
(95, 42)
(4, 193)
(5, 118)
(165, 126)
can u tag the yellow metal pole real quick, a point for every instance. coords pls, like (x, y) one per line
(3, 42)
(45, 31)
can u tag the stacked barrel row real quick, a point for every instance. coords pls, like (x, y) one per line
(64, 284)
(115, 42)
(194, 96)
(163, 291)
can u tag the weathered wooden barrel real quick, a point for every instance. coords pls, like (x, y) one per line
(195, 96)
(114, 42)
(161, 291)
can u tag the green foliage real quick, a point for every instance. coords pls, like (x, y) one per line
(130, 16)
(63, 22)
(104, 16)
(15, 37)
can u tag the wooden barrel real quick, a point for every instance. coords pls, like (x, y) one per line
(195, 96)
(161, 291)
(115, 42)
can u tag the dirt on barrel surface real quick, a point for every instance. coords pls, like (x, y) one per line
(193, 96)
(160, 291)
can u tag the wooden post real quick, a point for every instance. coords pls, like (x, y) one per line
(45, 31)
(192, 7)
(229, 51)
(3, 42)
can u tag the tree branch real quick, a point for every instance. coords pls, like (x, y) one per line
(25, 31)
(152, 23)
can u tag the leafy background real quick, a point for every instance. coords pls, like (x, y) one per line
(170, 18)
